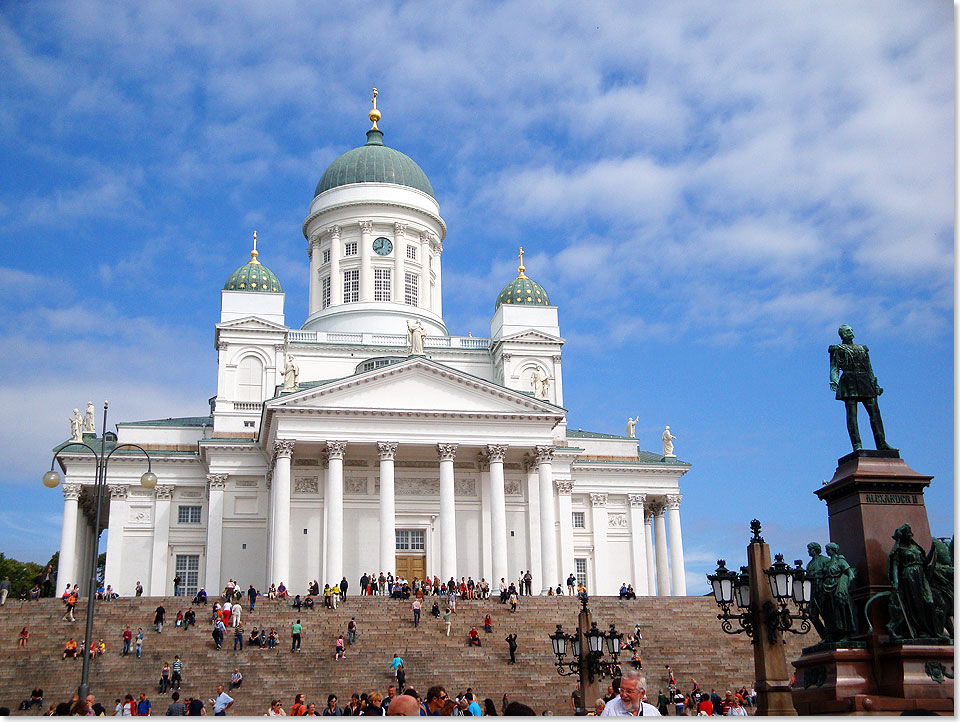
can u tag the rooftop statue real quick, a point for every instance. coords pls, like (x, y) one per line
(416, 336)
(851, 376)
(89, 425)
(540, 383)
(291, 375)
(76, 426)
(632, 426)
(668, 440)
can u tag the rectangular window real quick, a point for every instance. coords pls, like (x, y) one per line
(351, 285)
(381, 284)
(412, 253)
(578, 520)
(188, 567)
(403, 540)
(326, 256)
(410, 540)
(188, 514)
(325, 292)
(580, 566)
(416, 540)
(350, 249)
(411, 289)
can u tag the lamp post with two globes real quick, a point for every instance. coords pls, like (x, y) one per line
(51, 480)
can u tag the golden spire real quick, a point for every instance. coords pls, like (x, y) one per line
(521, 269)
(374, 114)
(253, 253)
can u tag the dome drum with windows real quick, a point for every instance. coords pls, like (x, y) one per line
(253, 276)
(522, 290)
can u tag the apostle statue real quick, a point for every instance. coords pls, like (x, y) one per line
(416, 336)
(291, 375)
(632, 426)
(540, 383)
(851, 376)
(668, 440)
(76, 426)
(89, 427)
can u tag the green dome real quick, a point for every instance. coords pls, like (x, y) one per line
(524, 291)
(374, 163)
(253, 276)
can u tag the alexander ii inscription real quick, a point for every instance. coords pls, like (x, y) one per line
(892, 499)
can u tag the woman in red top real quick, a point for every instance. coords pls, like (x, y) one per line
(24, 636)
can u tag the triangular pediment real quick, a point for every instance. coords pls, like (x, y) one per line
(416, 385)
(533, 336)
(251, 323)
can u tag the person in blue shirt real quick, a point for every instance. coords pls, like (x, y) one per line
(473, 707)
(143, 705)
(222, 703)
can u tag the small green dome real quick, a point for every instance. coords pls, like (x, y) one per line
(374, 163)
(524, 291)
(253, 276)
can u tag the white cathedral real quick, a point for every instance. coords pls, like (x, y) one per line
(370, 439)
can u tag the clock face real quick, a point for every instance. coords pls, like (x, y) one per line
(383, 246)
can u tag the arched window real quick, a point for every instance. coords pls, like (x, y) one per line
(250, 379)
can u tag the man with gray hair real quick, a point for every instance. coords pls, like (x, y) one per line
(633, 687)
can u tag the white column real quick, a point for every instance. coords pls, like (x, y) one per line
(161, 540)
(333, 499)
(486, 546)
(660, 548)
(638, 545)
(399, 254)
(283, 448)
(313, 288)
(388, 507)
(425, 271)
(118, 515)
(67, 568)
(598, 523)
(648, 543)
(565, 499)
(437, 291)
(534, 559)
(677, 572)
(548, 520)
(271, 525)
(336, 250)
(448, 510)
(366, 268)
(216, 483)
(498, 514)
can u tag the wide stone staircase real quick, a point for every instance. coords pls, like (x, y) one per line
(680, 631)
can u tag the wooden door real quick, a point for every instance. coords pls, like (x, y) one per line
(411, 565)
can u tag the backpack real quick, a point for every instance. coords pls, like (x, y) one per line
(25, 705)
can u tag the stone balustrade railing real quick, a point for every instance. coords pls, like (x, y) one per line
(384, 339)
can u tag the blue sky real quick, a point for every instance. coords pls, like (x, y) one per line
(707, 191)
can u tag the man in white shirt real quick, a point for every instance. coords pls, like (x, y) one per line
(633, 687)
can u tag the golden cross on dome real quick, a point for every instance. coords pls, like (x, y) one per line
(374, 114)
(521, 269)
(253, 253)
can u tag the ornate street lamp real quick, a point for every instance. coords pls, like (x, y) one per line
(51, 480)
(588, 663)
(767, 606)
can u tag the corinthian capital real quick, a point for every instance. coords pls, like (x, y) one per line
(544, 455)
(399, 230)
(164, 492)
(598, 498)
(336, 449)
(564, 486)
(447, 452)
(673, 501)
(335, 233)
(366, 226)
(657, 508)
(117, 491)
(284, 447)
(387, 450)
(216, 482)
(496, 452)
(72, 491)
(637, 500)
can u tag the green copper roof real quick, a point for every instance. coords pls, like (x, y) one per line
(374, 163)
(523, 290)
(253, 276)
(175, 421)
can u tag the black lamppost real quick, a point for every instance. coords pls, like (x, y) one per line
(764, 607)
(586, 646)
(51, 479)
